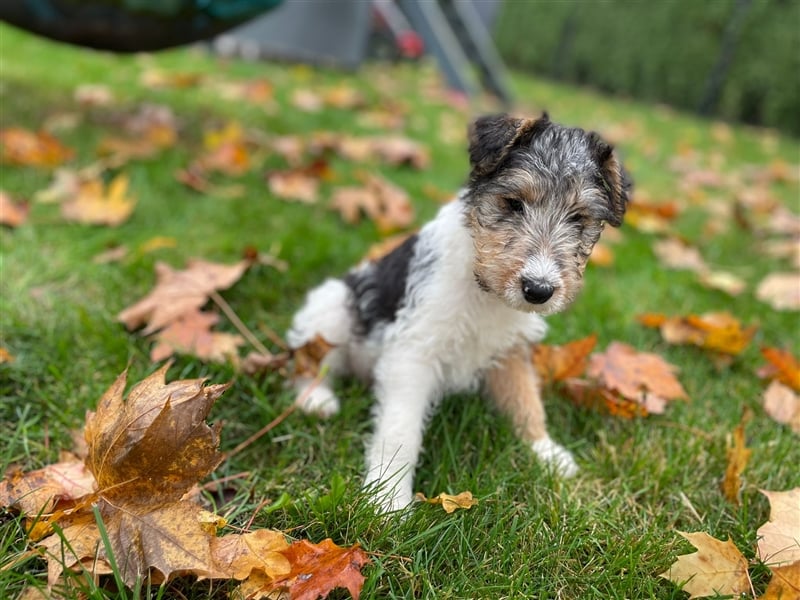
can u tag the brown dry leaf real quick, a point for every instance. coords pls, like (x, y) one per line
(295, 185)
(317, 569)
(558, 363)
(783, 366)
(255, 362)
(93, 94)
(780, 290)
(674, 253)
(450, 503)
(650, 217)
(154, 444)
(387, 205)
(5, 356)
(191, 334)
(722, 281)
(718, 331)
(643, 377)
(41, 491)
(785, 583)
(307, 100)
(32, 149)
(159, 79)
(783, 405)
(96, 204)
(738, 455)
(110, 255)
(717, 568)
(308, 358)
(400, 151)
(240, 554)
(12, 214)
(196, 178)
(593, 396)
(779, 538)
(179, 292)
(602, 255)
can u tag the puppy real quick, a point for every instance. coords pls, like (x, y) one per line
(458, 305)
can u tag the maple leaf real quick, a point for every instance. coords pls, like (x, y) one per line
(783, 405)
(294, 185)
(639, 376)
(717, 568)
(387, 205)
(179, 292)
(308, 357)
(738, 455)
(779, 538)
(12, 214)
(558, 363)
(155, 444)
(191, 334)
(26, 148)
(780, 290)
(261, 550)
(591, 395)
(41, 491)
(96, 204)
(785, 583)
(674, 253)
(449, 502)
(718, 331)
(316, 570)
(783, 367)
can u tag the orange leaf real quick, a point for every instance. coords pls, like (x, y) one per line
(593, 396)
(23, 147)
(557, 363)
(191, 334)
(785, 583)
(317, 569)
(783, 367)
(42, 491)
(738, 455)
(12, 214)
(719, 331)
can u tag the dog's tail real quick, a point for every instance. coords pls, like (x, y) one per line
(326, 313)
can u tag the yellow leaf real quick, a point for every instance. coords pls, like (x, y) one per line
(449, 502)
(94, 205)
(717, 568)
(738, 455)
(779, 538)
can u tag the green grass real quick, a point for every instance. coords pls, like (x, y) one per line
(606, 534)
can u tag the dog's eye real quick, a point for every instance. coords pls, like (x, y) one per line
(514, 205)
(575, 218)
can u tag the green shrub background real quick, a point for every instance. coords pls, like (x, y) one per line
(667, 51)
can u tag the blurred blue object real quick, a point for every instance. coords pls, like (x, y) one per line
(131, 25)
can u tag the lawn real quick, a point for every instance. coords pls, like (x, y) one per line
(608, 533)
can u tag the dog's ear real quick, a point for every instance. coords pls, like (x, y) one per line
(492, 137)
(613, 178)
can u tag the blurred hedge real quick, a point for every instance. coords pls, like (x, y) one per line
(736, 59)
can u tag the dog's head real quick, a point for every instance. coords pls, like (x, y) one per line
(539, 196)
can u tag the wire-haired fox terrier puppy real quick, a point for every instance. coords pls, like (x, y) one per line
(458, 305)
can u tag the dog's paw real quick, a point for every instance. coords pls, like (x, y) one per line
(556, 456)
(320, 401)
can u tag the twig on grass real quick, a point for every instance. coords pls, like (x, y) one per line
(237, 322)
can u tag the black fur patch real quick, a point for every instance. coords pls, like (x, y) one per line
(379, 290)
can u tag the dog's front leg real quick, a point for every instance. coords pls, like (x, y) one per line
(405, 390)
(514, 386)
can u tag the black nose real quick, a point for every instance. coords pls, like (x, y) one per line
(536, 291)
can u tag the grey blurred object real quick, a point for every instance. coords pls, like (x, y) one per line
(344, 33)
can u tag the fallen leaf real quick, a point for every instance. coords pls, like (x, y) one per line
(307, 100)
(40, 491)
(674, 253)
(110, 255)
(785, 583)
(66, 184)
(317, 569)
(450, 503)
(558, 363)
(593, 396)
(96, 204)
(780, 290)
(160, 79)
(154, 444)
(308, 358)
(782, 404)
(179, 292)
(196, 178)
(779, 538)
(717, 331)
(639, 376)
(158, 242)
(240, 554)
(294, 185)
(602, 255)
(380, 249)
(738, 455)
(723, 281)
(5, 356)
(32, 149)
(191, 334)
(93, 94)
(783, 366)
(387, 205)
(255, 362)
(12, 214)
(717, 568)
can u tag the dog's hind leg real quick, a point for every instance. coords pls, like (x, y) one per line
(326, 313)
(514, 386)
